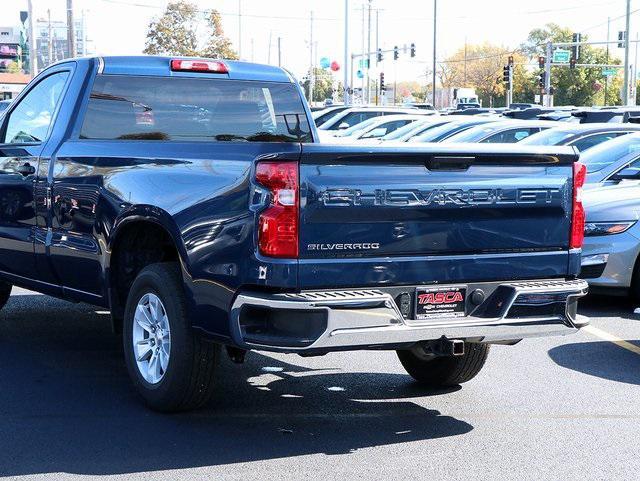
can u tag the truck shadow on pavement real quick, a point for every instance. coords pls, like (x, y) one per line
(67, 404)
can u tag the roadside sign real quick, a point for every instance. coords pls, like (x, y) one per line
(561, 56)
(609, 72)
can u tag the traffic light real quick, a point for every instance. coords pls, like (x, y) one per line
(575, 50)
(572, 62)
(382, 87)
(510, 61)
(541, 79)
(396, 53)
(541, 61)
(413, 50)
(379, 56)
(506, 74)
(622, 36)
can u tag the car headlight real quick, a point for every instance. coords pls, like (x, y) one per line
(606, 228)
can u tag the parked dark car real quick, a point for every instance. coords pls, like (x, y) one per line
(612, 115)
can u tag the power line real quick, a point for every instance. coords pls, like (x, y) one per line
(229, 14)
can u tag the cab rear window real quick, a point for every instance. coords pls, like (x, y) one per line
(187, 109)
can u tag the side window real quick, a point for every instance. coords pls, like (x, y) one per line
(384, 129)
(125, 107)
(633, 167)
(357, 117)
(592, 140)
(30, 120)
(510, 136)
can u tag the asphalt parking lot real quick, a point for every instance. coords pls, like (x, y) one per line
(556, 408)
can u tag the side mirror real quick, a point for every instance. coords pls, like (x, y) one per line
(343, 126)
(628, 173)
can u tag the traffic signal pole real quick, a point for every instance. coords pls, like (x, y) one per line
(625, 89)
(347, 67)
(547, 77)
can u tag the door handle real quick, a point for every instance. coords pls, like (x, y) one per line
(26, 169)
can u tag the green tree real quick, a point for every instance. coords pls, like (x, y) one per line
(14, 67)
(322, 85)
(177, 32)
(481, 69)
(579, 86)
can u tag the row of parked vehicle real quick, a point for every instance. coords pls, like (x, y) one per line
(608, 141)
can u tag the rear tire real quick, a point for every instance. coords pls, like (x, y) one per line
(445, 370)
(180, 376)
(5, 292)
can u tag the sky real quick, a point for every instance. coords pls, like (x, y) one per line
(118, 27)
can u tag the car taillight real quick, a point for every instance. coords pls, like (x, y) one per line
(577, 213)
(197, 65)
(278, 224)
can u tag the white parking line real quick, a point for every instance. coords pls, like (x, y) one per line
(594, 331)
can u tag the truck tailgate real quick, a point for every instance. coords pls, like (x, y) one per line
(433, 214)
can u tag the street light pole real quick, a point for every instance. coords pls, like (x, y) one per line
(346, 67)
(71, 30)
(625, 90)
(33, 61)
(433, 87)
(240, 29)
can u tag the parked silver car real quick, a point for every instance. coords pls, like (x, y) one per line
(612, 240)
(613, 161)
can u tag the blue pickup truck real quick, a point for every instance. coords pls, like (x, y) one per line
(190, 197)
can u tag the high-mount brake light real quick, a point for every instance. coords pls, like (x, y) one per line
(207, 66)
(577, 212)
(278, 224)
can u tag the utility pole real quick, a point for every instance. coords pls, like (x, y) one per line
(84, 33)
(368, 50)
(279, 51)
(311, 76)
(33, 64)
(362, 97)
(252, 49)
(50, 37)
(435, 23)
(625, 90)
(547, 76)
(606, 79)
(71, 30)
(269, 48)
(632, 99)
(240, 29)
(346, 68)
(465, 61)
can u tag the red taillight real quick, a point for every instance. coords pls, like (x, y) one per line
(577, 213)
(278, 225)
(195, 65)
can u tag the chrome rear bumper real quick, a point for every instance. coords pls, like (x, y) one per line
(371, 318)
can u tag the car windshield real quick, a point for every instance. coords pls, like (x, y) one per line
(608, 153)
(549, 137)
(357, 127)
(471, 135)
(442, 132)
